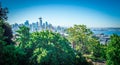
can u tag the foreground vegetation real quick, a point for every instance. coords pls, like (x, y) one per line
(50, 48)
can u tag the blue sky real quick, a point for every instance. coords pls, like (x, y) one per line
(93, 13)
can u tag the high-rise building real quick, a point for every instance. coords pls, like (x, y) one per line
(40, 19)
(43, 27)
(33, 25)
(50, 27)
(36, 25)
(26, 23)
(31, 28)
(46, 25)
(58, 29)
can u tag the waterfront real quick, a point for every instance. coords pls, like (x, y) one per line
(106, 31)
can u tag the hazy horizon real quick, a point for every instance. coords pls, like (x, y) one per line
(100, 13)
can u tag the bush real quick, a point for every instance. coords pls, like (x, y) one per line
(11, 55)
(113, 50)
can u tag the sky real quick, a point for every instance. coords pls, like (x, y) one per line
(93, 13)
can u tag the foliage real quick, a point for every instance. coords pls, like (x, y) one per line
(23, 36)
(98, 50)
(103, 51)
(79, 36)
(113, 50)
(51, 49)
(42, 48)
(6, 32)
(11, 55)
(83, 41)
(47, 48)
(80, 60)
(22, 40)
(3, 13)
(1, 33)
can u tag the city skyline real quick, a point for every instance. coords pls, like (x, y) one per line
(39, 26)
(65, 12)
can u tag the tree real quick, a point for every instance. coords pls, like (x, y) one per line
(3, 13)
(7, 31)
(51, 49)
(113, 50)
(23, 40)
(2, 33)
(79, 36)
(23, 36)
(99, 51)
(9, 54)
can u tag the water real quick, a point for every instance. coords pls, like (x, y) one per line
(106, 31)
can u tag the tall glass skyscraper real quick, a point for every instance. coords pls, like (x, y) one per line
(40, 19)
(26, 23)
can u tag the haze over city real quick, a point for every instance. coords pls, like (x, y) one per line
(59, 32)
(93, 13)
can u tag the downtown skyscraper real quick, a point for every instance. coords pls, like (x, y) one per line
(38, 26)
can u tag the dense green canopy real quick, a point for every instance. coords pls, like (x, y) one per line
(113, 51)
(51, 49)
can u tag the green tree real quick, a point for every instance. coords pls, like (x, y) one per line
(99, 52)
(79, 36)
(113, 50)
(2, 38)
(3, 13)
(23, 36)
(7, 31)
(51, 49)
(23, 40)
(9, 54)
